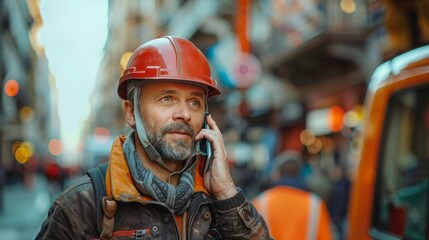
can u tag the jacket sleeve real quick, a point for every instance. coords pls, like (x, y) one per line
(238, 219)
(71, 216)
(58, 225)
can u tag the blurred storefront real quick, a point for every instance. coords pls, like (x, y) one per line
(293, 74)
(278, 63)
(323, 49)
(27, 100)
(275, 62)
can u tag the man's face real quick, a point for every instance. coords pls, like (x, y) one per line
(172, 114)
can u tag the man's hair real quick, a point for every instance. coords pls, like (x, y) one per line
(289, 163)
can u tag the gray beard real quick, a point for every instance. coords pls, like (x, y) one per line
(177, 198)
(180, 152)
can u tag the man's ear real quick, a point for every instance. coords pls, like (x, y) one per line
(129, 113)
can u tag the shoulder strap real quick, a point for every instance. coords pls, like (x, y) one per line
(98, 177)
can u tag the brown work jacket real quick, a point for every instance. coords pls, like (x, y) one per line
(131, 215)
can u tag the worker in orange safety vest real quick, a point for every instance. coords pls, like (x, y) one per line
(289, 209)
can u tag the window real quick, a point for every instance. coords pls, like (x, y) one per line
(401, 195)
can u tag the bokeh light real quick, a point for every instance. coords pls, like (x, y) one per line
(316, 146)
(11, 88)
(55, 147)
(307, 137)
(22, 151)
(336, 119)
(348, 6)
(102, 135)
(26, 114)
(124, 60)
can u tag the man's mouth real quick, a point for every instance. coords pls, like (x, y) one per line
(178, 131)
(179, 134)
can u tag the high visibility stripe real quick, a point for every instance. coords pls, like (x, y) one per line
(264, 211)
(314, 215)
(294, 214)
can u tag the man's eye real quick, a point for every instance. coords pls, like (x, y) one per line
(195, 103)
(166, 99)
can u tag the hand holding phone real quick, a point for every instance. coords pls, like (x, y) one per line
(220, 183)
(204, 149)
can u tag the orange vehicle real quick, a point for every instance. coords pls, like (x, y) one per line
(389, 198)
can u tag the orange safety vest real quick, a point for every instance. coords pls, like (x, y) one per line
(292, 213)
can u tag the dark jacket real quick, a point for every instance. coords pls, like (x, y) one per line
(72, 216)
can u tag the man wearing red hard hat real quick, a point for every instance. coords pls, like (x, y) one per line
(169, 178)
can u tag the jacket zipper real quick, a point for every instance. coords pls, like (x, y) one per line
(125, 233)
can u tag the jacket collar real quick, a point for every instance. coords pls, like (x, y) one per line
(119, 183)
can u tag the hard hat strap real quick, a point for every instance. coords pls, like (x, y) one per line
(141, 132)
(207, 101)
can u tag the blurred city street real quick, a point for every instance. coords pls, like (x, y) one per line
(24, 209)
(326, 97)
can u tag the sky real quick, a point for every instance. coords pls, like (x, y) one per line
(74, 34)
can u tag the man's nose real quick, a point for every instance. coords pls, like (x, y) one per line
(182, 112)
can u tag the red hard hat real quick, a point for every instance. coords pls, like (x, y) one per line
(168, 58)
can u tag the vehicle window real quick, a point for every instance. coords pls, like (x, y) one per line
(401, 195)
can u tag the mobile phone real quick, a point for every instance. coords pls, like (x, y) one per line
(204, 149)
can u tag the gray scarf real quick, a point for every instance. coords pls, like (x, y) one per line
(176, 198)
